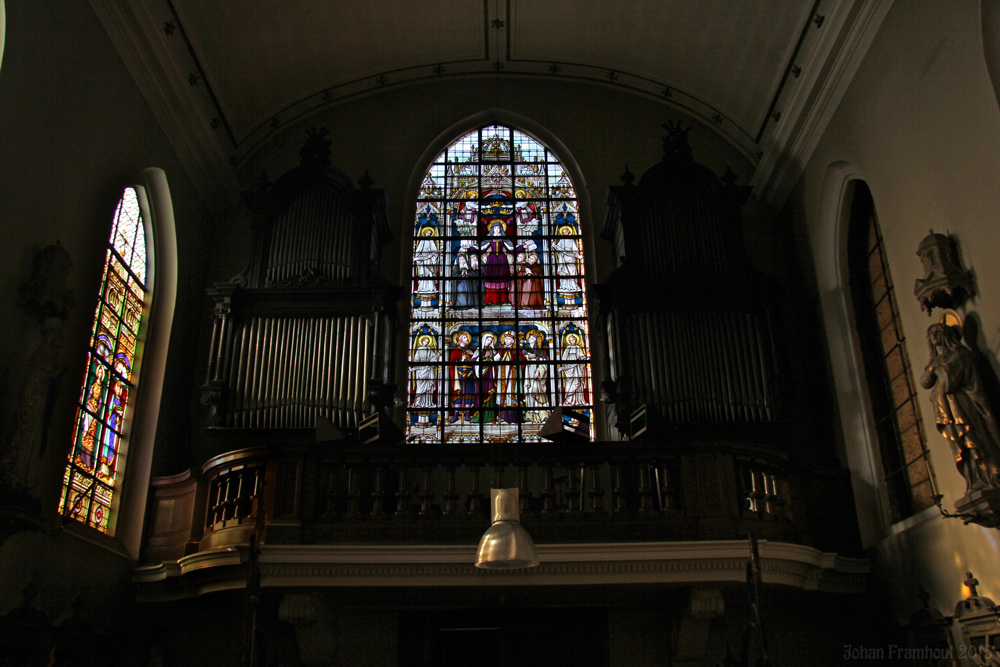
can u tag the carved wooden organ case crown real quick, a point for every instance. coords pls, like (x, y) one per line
(685, 316)
(306, 329)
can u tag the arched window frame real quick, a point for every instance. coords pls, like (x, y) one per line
(129, 501)
(525, 125)
(857, 442)
(907, 475)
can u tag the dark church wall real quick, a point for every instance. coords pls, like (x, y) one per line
(75, 132)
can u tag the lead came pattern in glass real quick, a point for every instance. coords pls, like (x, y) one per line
(94, 467)
(498, 319)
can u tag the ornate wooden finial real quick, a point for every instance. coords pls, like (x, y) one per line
(317, 148)
(365, 181)
(971, 582)
(946, 283)
(675, 144)
(628, 177)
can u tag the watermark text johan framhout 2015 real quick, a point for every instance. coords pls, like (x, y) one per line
(896, 652)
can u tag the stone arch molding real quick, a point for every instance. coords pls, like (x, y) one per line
(859, 446)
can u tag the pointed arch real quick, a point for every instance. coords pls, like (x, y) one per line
(498, 333)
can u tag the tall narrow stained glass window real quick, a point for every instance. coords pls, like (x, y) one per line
(96, 457)
(498, 322)
(906, 465)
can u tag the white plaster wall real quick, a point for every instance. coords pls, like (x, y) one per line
(920, 125)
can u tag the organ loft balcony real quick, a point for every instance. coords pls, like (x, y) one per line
(311, 479)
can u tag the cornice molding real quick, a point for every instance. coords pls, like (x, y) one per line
(295, 566)
(828, 63)
(136, 29)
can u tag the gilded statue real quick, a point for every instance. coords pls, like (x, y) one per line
(961, 410)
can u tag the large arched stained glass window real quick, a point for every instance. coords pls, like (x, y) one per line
(92, 476)
(498, 332)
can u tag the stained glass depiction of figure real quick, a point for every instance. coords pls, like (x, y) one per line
(530, 282)
(498, 265)
(423, 379)
(117, 399)
(505, 259)
(509, 372)
(568, 260)
(487, 378)
(93, 404)
(574, 375)
(462, 377)
(427, 263)
(526, 215)
(464, 287)
(466, 218)
(536, 377)
(92, 477)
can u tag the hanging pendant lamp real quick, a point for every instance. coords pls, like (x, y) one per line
(506, 545)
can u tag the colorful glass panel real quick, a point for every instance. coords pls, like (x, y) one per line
(498, 310)
(93, 472)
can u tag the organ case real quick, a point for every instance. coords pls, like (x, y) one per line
(305, 330)
(686, 319)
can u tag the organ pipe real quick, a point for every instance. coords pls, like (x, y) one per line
(288, 370)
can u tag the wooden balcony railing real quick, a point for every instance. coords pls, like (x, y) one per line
(348, 493)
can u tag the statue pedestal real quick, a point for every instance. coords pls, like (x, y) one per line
(982, 506)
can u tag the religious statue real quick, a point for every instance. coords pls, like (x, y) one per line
(27, 442)
(45, 297)
(961, 410)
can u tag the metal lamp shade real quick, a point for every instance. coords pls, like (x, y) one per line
(506, 545)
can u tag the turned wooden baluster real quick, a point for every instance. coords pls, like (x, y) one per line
(450, 495)
(548, 493)
(618, 491)
(771, 501)
(426, 494)
(756, 491)
(573, 488)
(228, 504)
(215, 515)
(667, 501)
(242, 501)
(378, 494)
(645, 493)
(475, 494)
(402, 495)
(524, 495)
(596, 492)
(353, 494)
(331, 494)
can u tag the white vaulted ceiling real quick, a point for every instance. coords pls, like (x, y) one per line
(238, 70)
(262, 57)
